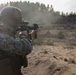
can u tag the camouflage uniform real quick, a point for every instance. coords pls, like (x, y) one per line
(13, 53)
(13, 50)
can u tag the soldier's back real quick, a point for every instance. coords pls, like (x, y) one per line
(9, 64)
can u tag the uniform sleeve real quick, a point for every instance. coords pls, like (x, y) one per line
(15, 46)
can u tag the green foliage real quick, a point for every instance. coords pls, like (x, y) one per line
(66, 27)
(36, 43)
(61, 35)
(49, 42)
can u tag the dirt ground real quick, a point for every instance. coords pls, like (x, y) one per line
(56, 59)
(59, 59)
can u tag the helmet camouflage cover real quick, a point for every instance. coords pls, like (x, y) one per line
(11, 15)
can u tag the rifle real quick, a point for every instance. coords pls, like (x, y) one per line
(25, 26)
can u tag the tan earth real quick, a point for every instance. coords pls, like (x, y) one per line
(56, 59)
(52, 60)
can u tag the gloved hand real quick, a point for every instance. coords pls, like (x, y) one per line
(31, 36)
(23, 34)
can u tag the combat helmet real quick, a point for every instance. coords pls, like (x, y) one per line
(11, 15)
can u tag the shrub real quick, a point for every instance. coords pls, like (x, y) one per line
(36, 43)
(49, 42)
(61, 35)
(48, 34)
